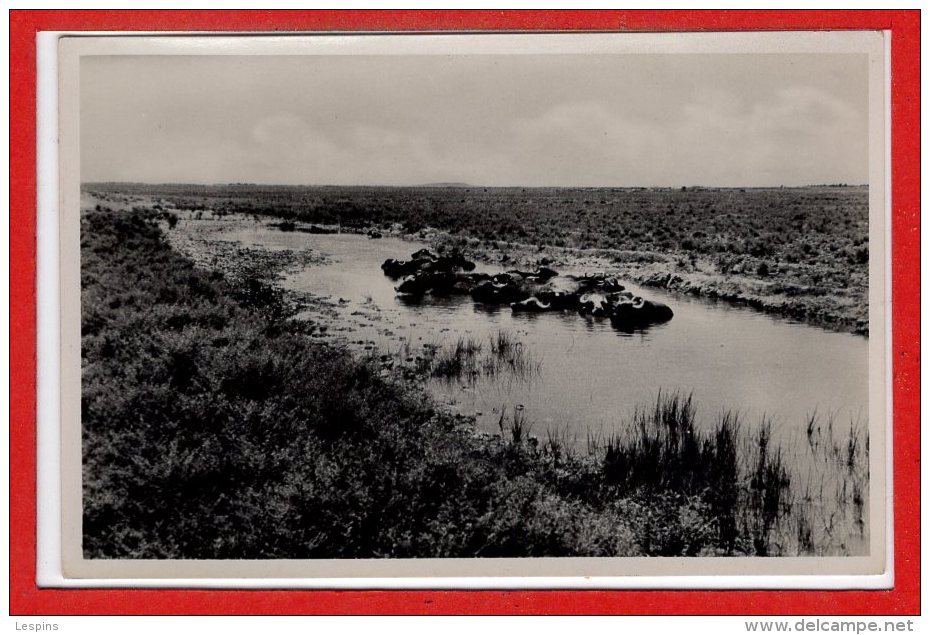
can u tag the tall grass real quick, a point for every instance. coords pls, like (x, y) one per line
(517, 430)
(769, 489)
(468, 359)
(511, 357)
(456, 361)
(663, 451)
(502, 343)
(833, 499)
(743, 480)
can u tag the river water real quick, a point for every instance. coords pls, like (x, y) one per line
(590, 376)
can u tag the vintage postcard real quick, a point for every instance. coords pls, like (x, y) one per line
(591, 309)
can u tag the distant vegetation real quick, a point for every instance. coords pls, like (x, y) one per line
(214, 426)
(814, 226)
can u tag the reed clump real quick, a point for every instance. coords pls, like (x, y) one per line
(737, 484)
(468, 359)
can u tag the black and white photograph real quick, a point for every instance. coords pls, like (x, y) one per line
(612, 301)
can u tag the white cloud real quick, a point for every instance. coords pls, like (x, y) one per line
(626, 120)
(802, 136)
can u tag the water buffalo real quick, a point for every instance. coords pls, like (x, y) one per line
(494, 292)
(426, 260)
(593, 304)
(423, 254)
(600, 281)
(440, 283)
(530, 305)
(542, 274)
(418, 283)
(559, 300)
(448, 263)
(639, 313)
(400, 268)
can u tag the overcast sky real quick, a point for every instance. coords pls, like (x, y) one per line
(608, 120)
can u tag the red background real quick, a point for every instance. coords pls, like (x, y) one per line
(26, 598)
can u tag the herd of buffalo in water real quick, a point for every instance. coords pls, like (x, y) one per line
(595, 295)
